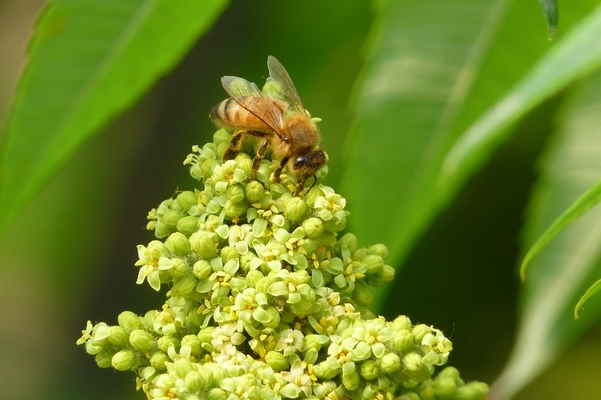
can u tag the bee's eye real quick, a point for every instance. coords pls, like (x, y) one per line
(300, 162)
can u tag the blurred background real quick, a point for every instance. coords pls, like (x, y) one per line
(70, 257)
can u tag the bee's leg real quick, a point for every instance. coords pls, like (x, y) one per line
(235, 145)
(314, 182)
(259, 157)
(301, 186)
(276, 174)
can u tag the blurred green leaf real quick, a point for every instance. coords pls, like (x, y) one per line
(419, 53)
(88, 60)
(584, 203)
(432, 68)
(563, 270)
(590, 292)
(551, 14)
(577, 54)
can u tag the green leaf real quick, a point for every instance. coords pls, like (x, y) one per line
(594, 289)
(577, 54)
(551, 14)
(562, 271)
(418, 53)
(88, 61)
(433, 67)
(584, 203)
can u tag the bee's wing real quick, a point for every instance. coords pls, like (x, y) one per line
(278, 73)
(253, 100)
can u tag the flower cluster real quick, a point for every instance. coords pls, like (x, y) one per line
(266, 300)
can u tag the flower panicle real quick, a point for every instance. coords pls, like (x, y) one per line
(267, 299)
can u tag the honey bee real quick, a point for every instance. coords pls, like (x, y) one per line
(278, 117)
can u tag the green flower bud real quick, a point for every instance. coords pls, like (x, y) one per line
(118, 336)
(203, 245)
(419, 332)
(412, 361)
(187, 199)
(313, 226)
(295, 209)
(229, 253)
(305, 304)
(170, 219)
(157, 360)
(445, 387)
(362, 294)
(92, 348)
(401, 322)
(235, 193)
(252, 277)
(202, 269)
(378, 249)
(160, 229)
(187, 225)
(472, 391)
(124, 360)
(350, 376)
(337, 222)
(178, 243)
(149, 319)
(175, 206)
(104, 358)
(313, 194)
(277, 361)
(195, 381)
(403, 341)
(196, 172)
(182, 367)
(141, 340)
(273, 318)
(205, 336)
(129, 321)
(380, 278)
(321, 390)
(184, 285)
(100, 334)
(207, 167)
(416, 369)
(273, 89)
(216, 394)
(315, 342)
(327, 369)
(390, 363)
(162, 208)
(194, 342)
(164, 383)
(427, 392)
(222, 136)
(310, 356)
(254, 191)
(409, 396)
(235, 209)
(449, 372)
(373, 262)
(349, 241)
(244, 163)
(326, 238)
(164, 342)
(171, 267)
(369, 370)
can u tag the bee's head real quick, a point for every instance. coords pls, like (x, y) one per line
(308, 164)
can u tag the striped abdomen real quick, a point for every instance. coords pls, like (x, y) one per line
(231, 115)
